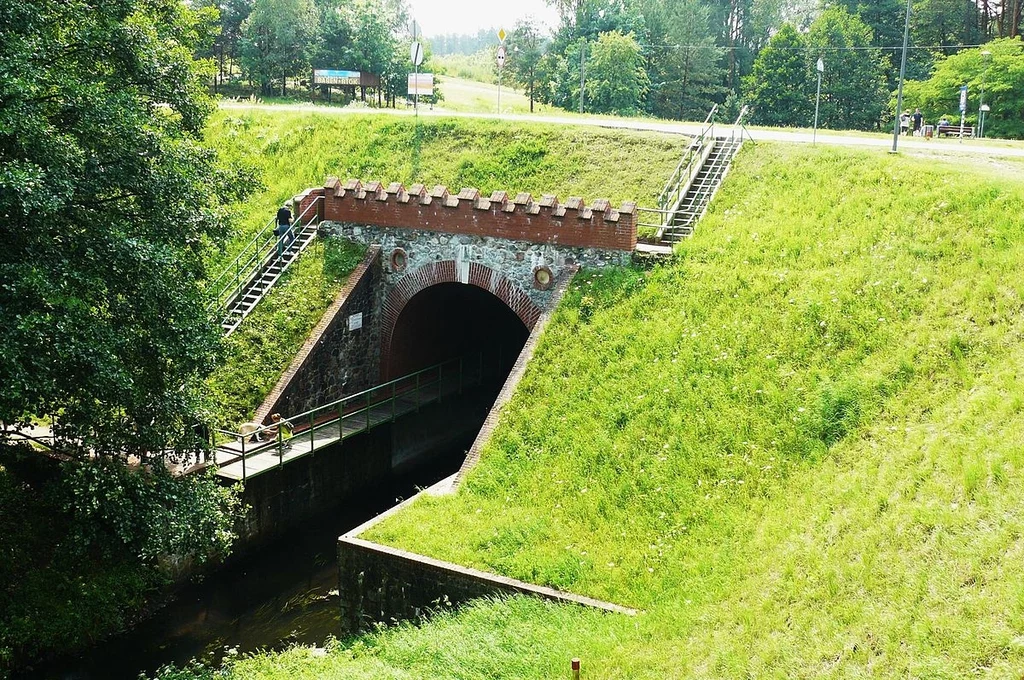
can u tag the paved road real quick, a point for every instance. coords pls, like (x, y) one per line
(938, 146)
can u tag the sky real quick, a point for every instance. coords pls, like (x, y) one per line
(437, 17)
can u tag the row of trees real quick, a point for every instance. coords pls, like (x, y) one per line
(675, 58)
(273, 41)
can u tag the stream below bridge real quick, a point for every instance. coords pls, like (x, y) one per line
(280, 594)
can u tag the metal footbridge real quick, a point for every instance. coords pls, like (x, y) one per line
(263, 448)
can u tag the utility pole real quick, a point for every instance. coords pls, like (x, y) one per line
(903, 73)
(986, 56)
(583, 66)
(817, 100)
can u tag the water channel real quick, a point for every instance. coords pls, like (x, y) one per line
(269, 598)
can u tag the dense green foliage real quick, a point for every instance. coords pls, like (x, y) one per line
(618, 82)
(1000, 75)
(781, 89)
(108, 200)
(84, 544)
(277, 41)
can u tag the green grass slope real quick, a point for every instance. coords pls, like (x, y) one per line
(798, 448)
(292, 151)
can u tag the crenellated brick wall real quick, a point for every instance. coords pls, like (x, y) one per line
(518, 218)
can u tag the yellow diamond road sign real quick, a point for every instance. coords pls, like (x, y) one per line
(502, 34)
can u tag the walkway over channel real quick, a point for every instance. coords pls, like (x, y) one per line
(242, 455)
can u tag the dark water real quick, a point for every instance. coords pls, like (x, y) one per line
(282, 593)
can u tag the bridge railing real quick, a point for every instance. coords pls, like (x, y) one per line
(359, 412)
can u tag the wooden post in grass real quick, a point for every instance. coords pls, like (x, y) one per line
(575, 669)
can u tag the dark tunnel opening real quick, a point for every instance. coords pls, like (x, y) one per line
(455, 320)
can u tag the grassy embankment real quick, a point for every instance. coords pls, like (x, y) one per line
(292, 151)
(797, 448)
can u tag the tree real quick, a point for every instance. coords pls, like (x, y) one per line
(225, 47)
(853, 91)
(779, 89)
(524, 50)
(1002, 75)
(108, 198)
(278, 39)
(616, 80)
(685, 74)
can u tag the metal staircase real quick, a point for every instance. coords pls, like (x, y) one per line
(248, 278)
(700, 172)
(706, 181)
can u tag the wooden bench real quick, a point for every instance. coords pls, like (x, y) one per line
(954, 130)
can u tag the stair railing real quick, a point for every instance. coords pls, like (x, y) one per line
(683, 170)
(241, 271)
(738, 128)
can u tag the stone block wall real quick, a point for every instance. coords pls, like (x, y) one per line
(380, 584)
(337, 359)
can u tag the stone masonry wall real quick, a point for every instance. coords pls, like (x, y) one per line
(338, 358)
(380, 584)
(405, 250)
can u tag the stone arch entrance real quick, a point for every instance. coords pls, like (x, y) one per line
(445, 310)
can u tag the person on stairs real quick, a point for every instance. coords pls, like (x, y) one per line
(283, 230)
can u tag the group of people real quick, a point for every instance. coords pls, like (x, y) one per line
(912, 123)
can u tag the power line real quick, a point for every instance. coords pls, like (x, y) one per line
(814, 49)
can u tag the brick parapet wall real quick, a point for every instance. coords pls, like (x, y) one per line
(334, 361)
(518, 218)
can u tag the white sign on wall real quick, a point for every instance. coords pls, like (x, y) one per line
(355, 321)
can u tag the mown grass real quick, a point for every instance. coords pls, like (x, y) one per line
(797, 448)
(293, 151)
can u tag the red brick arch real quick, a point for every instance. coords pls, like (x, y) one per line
(445, 271)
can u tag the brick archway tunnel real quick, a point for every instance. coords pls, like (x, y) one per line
(434, 315)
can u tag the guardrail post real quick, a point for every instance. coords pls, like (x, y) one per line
(394, 398)
(341, 421)
(280, 443)
(243, 456)
(312, 441)
(368, 392)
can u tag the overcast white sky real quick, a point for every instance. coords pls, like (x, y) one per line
(437, 17)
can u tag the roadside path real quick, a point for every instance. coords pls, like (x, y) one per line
(935, 146)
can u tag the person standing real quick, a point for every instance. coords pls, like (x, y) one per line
(904, 122)
(283, 229)
(918, 121)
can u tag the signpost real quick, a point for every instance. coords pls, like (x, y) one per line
(817, 100)
(416, 56)
(331, 78)
(500, 58)
(963, 111)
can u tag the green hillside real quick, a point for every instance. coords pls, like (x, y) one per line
(292, 151)
(797, 448)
